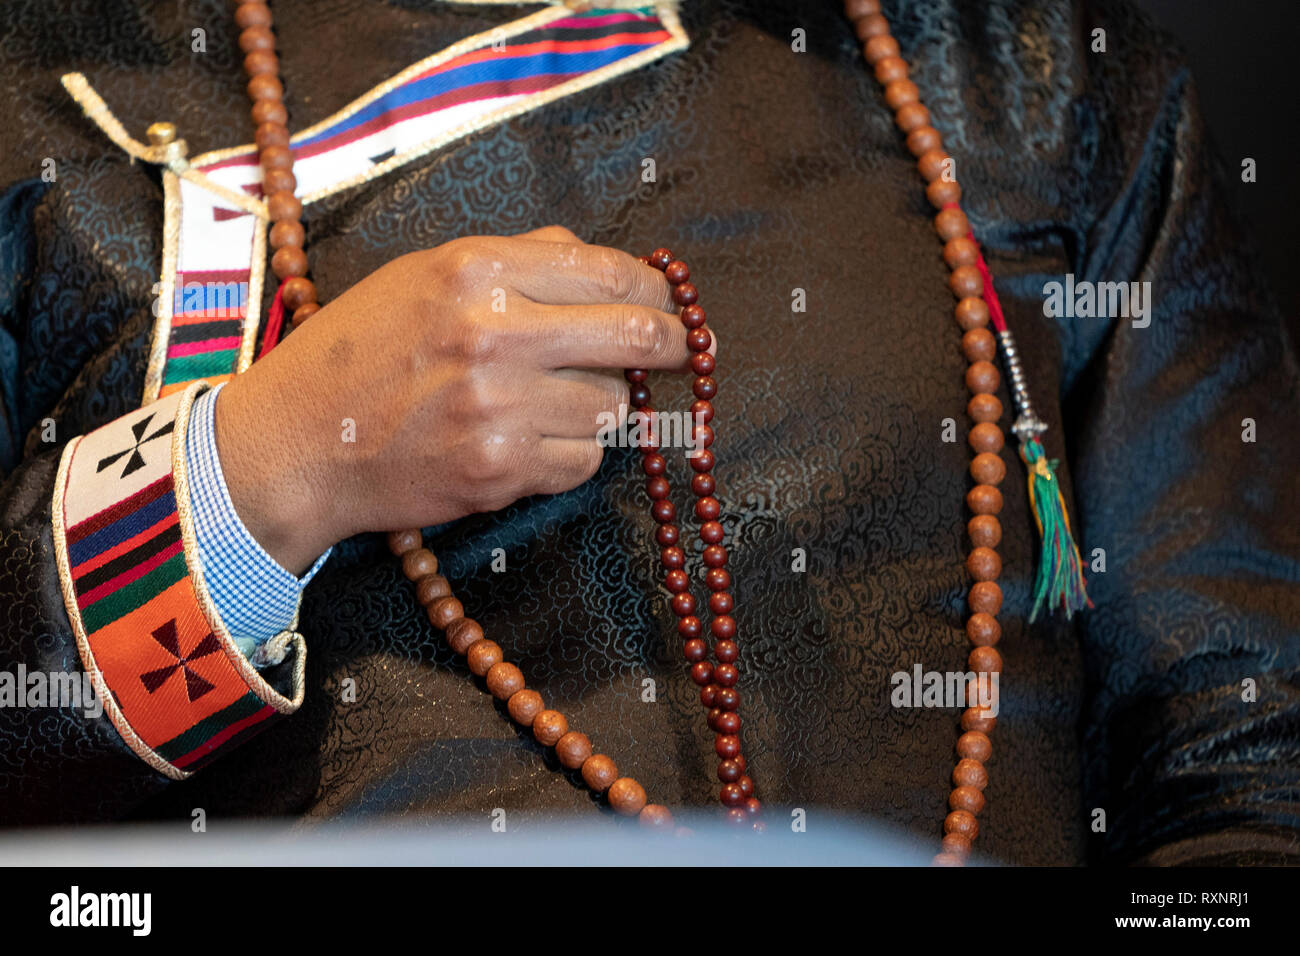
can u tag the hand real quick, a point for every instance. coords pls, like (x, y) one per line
(467, 374)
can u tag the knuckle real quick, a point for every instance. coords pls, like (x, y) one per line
(491, 462)
(464, 264)
(557, 233)
(472, 400)
(641, 335)
(476, 340)
(615, 281)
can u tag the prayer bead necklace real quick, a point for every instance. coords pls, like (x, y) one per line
(1060, 578)
(718, 677)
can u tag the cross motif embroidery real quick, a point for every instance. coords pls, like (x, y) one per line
(135, 460)
(195, 686)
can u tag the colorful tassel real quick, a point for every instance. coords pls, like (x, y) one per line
(1060, 569)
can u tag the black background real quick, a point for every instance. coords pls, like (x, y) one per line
(1242, 56)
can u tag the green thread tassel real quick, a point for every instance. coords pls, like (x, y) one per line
(1060, 569)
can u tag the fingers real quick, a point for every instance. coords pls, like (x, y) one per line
(573, 403)
(564, 273)
(608, 336)
(564, 464)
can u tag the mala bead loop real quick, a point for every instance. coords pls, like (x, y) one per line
(297, 294)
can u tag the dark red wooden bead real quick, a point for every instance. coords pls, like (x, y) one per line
(709, 695)
(726, 675)
(683, 604)
(697, 340)
(692, 316)
(708, 509)
(695, 650)
(726, 746)
(667, 535)
(717, 579)
(685, 294)
(690, 626)
(727, 722)
(657, 488)
(711, 532)
(654, 465)
(729, 771)
(732, 795)
(635, 375)
(728, 698)
(703, 485)
(702, 363)
(664, 511)
(638, 396)
(705, 387)
(721, 603)
(677, 271)
(715, 556)
(723, 626)
(702, 461)
(702, 411)
(702, 673)
(672, 558)
(746, 785)
(660, 258)
(677, 581)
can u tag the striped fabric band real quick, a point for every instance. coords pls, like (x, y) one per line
(219, 251)
(170, 676)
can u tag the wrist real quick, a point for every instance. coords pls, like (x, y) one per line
(274, 482)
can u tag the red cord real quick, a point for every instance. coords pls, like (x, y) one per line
(990, 295)
(274, 322)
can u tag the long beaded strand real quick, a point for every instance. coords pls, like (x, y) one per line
(504, 680)
(968, 283)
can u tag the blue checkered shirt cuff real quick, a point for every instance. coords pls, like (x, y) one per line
(255, 596)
